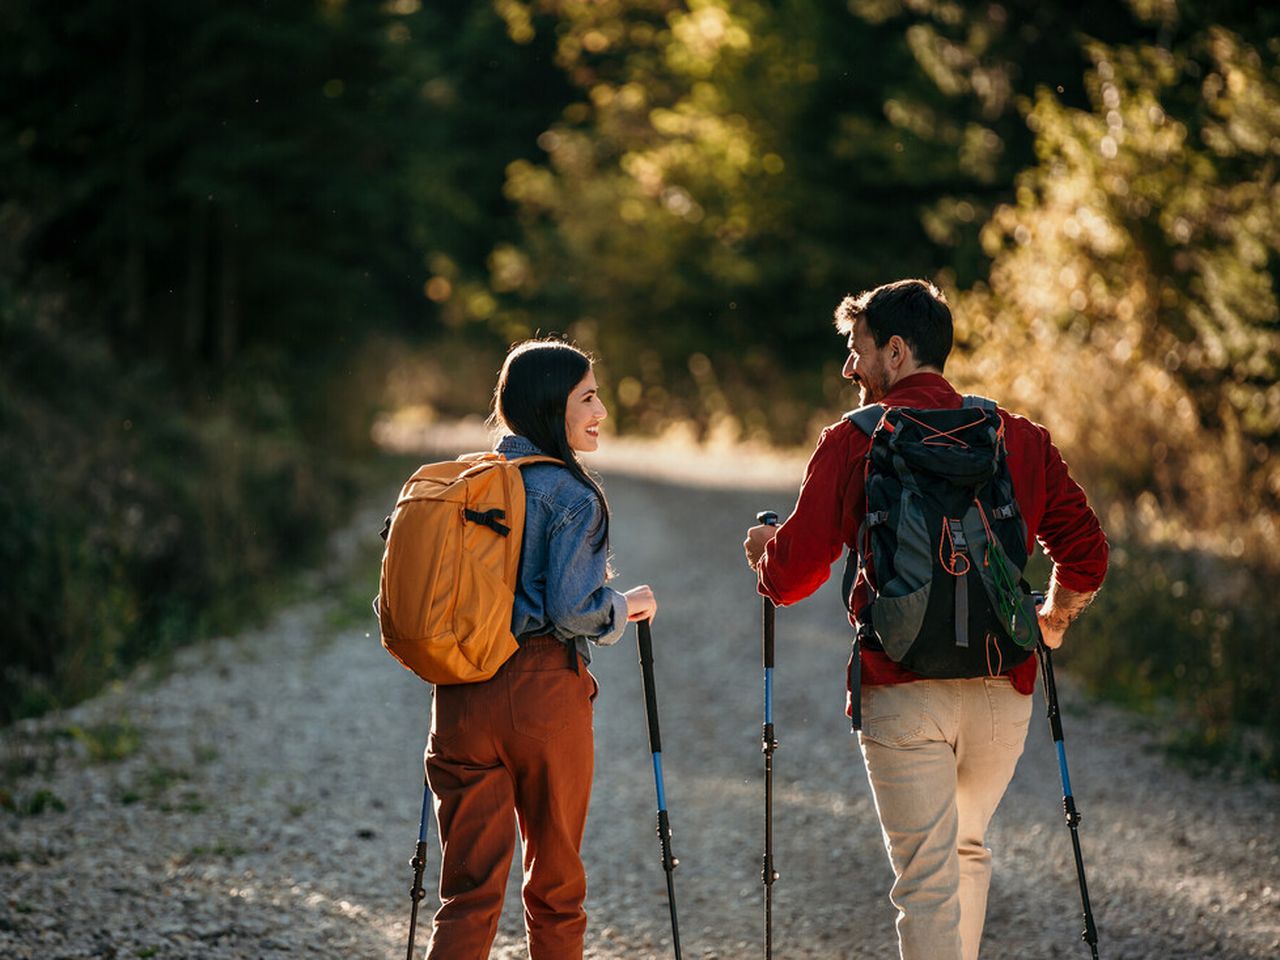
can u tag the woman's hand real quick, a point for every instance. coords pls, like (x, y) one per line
(641, 604)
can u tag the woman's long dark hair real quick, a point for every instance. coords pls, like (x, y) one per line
(530, 399)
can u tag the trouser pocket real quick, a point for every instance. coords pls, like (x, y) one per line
(1010, 712)
(895, 714)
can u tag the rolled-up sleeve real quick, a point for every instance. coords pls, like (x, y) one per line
(1069, 531)
(798, 560)
(578, 602)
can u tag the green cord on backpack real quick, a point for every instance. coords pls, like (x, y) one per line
(1009, 596)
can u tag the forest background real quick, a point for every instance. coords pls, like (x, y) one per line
(235, 236)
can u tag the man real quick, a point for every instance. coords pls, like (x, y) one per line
(939, 753)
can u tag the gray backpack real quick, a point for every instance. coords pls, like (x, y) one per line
(943, 543)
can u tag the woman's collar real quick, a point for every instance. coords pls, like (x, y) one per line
(513, 445)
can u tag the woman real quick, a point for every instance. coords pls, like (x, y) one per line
(522, 741)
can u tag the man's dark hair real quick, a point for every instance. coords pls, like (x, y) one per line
(914, 310)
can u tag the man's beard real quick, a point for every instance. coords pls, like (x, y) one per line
(869, 394)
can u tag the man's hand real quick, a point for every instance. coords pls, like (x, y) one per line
(1052, 630)
(754, 545)
(1059, 609)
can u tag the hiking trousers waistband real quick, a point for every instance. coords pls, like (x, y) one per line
(545, 644)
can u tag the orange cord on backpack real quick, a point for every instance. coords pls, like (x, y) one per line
(951, 564)
(986, 560)
(943, 438)
(999, 659)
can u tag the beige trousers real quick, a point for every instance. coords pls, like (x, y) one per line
(939, 755)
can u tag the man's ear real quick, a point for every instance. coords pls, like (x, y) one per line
(899, 352)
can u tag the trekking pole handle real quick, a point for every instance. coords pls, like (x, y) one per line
(1052, 710)
(1037, 601)
(770, 519)
(644, 639)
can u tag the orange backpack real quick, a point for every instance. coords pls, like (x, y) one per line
(450, 567)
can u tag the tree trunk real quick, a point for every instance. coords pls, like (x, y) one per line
(135, 267)
(229, 320)
(193, 327)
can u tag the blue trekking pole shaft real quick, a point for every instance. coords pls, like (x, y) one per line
(768, 744)
(1090, 933)
(419, 864)
(669, 862)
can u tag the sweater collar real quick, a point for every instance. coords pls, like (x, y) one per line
(931, 382)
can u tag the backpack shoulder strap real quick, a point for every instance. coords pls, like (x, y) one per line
(866, 418)
(982, 403)
(488, 458)
(482, 462)
(535, 458)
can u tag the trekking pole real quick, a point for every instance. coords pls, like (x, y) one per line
(419, 864)
(1090, 933)
(669, 862)
(768, 744)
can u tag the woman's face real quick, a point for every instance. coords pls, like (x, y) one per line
(583, 413)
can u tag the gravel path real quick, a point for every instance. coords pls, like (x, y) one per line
(266, 801)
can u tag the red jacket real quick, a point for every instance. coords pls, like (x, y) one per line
(832, 502)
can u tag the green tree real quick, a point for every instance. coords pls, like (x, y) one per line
(1142, 251)
(209, 211)
(212, 180)
(732, 168)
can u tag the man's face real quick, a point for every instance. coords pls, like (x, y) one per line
(866, 366)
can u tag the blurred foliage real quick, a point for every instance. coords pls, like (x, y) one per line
(1179, 636)
(731, 169)
(207, 211)
(207, 180)
(1138, 259)
(229, 235)
(126, 529)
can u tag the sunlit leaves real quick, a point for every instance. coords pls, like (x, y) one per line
(1149, 231)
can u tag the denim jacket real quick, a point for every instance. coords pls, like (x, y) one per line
(562, 576)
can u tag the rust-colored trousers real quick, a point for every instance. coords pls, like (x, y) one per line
(515, 749)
